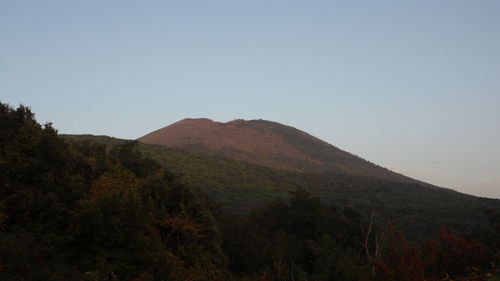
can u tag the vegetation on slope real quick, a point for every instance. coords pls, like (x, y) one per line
(78, 212)
(417, 209)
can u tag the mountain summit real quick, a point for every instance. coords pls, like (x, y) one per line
(265, 143)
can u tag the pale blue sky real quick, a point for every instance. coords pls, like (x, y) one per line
(410, 85)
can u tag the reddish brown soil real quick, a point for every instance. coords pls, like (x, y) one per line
(265, 143)
(242, 142)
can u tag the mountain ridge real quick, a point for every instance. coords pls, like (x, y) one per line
(266, 143)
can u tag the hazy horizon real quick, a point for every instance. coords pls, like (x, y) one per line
(409, 86)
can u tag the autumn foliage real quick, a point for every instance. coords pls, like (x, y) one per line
(447, 257)
(402, 260)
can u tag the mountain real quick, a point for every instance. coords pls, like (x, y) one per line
(266, 143)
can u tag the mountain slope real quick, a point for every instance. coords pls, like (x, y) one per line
(266, 143)
(417, 209)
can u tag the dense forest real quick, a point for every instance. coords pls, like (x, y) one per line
(84, 210)
(416, 208)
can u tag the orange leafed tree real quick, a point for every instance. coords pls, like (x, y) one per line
(450, 255)
(402, 261)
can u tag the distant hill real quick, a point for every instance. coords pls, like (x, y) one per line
(417, 209)
(266, 143)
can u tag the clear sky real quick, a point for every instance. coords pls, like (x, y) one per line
(410, 85)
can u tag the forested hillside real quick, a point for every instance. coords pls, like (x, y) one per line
(102, 210)
(417, 209)
(80, 212)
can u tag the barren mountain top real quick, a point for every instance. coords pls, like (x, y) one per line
(266, 143)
